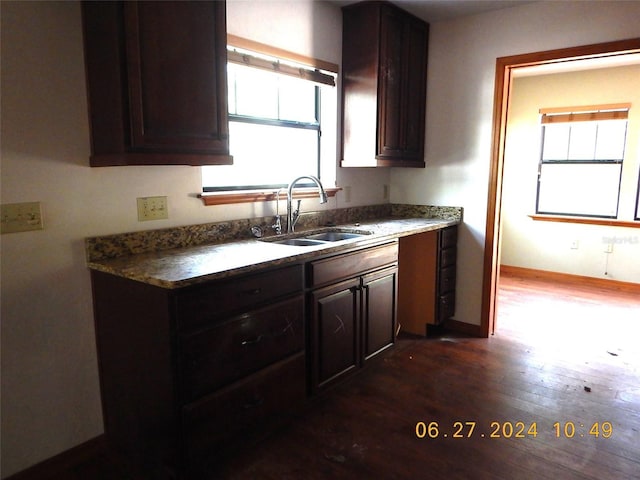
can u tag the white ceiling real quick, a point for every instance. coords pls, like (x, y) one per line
(439, 10)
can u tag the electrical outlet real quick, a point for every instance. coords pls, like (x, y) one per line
(152, 208)
(608, 248)
(21, 217)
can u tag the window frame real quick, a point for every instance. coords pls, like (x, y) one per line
(268, 192)
(573, 115)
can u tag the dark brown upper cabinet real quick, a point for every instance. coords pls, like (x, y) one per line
(384, 80)
(157, 82)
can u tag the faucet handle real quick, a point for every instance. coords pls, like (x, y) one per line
(277, 226)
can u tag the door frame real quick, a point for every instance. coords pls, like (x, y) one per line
(502, 95)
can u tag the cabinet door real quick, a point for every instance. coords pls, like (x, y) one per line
(390, 100)
(176, 76)
(379, 311)
(156, 81)
(335, 332)
(416, 35)
(402, 88)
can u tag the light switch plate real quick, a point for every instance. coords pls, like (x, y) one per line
(21, 217)
(152, 208)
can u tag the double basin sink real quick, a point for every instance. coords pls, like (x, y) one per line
(314, 239)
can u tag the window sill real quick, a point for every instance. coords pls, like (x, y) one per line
(610, 222)
(250, 196)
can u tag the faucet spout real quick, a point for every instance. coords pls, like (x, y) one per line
(292, 216)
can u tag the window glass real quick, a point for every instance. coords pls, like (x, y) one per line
(611, 140)
(580, 168)
(255, 92)
(589, 189)
(582, 141)
(265, 155)
(274, 131)
(556, 142)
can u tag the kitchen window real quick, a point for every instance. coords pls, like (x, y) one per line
(282, 124)
(581, 160)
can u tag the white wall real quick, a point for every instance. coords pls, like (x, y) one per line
(461, 72)
(548, 245)
(50, 391)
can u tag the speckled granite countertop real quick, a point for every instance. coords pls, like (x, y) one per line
(189, 265)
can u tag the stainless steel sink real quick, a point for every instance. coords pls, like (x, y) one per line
(298, 242)
(334, 236)
(318, 238)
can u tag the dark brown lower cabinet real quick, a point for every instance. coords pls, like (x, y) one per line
(354, 319)
(335, 331)
(187, 374)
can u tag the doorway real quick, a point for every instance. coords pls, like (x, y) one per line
(502, 93)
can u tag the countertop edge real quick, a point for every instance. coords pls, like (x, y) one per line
(133, 267)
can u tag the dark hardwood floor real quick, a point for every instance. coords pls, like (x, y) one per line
(561, 353)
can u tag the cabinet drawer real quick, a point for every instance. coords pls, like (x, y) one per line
(448, 257)
(446, 307)
(198, 307)
(449, 237)
(447, 279)
(212, 424)
(231, 350)
(349, 265)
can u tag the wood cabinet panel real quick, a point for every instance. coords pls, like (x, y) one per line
(379, 310)
(238, 347)
(384, 86)
(202, 305)
(351, 320)
(339, 267)
(168, 390)
(230, 417)
(156, 81)
(427, 279)
(336, 332)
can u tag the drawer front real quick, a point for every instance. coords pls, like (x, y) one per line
(197, 308)
(340, 267)
(231, 350)
(446, 307)
(229, 416)
(448, 257)
(449, 237)
(447, 279)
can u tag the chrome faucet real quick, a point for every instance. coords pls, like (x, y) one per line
(292, 216)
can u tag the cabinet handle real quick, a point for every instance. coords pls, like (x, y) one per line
(252, 341)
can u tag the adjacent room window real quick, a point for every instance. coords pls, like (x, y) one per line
(276, 120)
(637, 215)
(581, 160)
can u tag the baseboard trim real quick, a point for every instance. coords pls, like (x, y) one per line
(463, 328)
(63, 461)
(570, 278)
